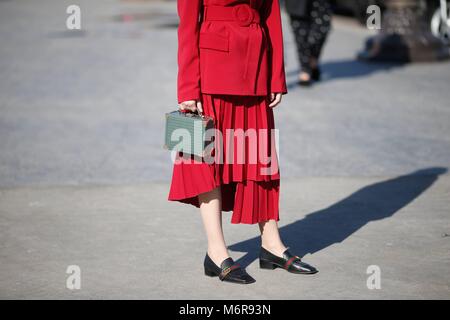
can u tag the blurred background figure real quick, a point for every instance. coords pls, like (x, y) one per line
(413, 31)
(311, 23)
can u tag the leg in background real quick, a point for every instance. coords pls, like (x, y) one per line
(274, 254)
(211, 212)
(301, 27)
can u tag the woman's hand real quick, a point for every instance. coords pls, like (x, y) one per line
(191, 105)
(275, 99)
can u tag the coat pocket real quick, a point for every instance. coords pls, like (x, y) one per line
(214, 41)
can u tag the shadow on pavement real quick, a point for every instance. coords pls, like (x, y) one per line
(321, 229)
(350, 68)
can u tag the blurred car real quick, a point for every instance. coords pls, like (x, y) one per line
(356, 8)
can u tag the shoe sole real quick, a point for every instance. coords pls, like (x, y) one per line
(271, 266)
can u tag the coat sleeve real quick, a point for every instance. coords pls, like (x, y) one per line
(189, 12)
(272, 17)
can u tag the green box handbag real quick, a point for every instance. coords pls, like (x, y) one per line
(186, 132)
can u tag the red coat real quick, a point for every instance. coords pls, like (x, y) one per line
(230, 47)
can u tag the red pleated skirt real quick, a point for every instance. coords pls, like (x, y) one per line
(246, 166)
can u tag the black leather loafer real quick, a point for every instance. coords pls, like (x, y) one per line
(229, 271)
(305, 83)
(289, 262)
(316, 74)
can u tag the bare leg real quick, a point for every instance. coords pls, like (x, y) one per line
(270, 237)
(304, 76)
(211, 212)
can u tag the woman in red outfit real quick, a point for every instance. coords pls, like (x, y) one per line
(231, 68)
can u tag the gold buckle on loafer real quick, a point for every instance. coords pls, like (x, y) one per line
(291, 261)
(227, 270)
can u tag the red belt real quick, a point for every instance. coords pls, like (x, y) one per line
(242, 13)
(245, 16)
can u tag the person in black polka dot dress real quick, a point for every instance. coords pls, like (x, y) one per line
(311, 23)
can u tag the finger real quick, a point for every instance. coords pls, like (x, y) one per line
(189, 106)
(199, 107)
(276, 101)
(186, 105)
(272, 97)
(279, 99)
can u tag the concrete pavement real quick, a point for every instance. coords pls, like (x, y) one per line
(84, 179)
